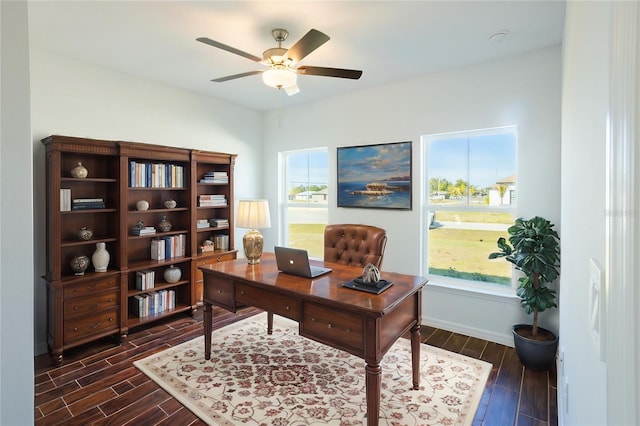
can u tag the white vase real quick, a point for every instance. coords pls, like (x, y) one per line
(142, 205)
(100, 258)
(172, 274)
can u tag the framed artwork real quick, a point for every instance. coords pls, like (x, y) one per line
(375, 176)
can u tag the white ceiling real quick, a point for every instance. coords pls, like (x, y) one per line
(389, 40)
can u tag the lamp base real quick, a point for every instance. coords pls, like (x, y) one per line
(253, 242)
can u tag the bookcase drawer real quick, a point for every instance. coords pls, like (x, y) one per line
(81, 306)
(87, 288)
(339, 329)
(90, 325)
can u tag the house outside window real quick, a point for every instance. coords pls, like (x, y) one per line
(470, 203)
(305, 196)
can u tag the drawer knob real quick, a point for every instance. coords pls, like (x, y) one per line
(110, 319)
(75, 308)
(241, 291)
(218, 259)
(219, 291)
(75, 328)
(348, 330)
(313, 319)
(286, 308)
(329, 325)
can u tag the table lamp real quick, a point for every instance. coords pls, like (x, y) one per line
(253, 214)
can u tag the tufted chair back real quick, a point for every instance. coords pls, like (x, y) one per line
(355, 245)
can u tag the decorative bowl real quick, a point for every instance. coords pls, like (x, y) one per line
(84, 234)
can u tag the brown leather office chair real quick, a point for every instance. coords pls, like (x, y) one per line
(355, 245)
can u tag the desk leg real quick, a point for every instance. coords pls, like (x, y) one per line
(269, 322)
(373, 382)
(207, 318)
(415, 355)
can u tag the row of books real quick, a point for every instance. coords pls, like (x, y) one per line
(212, 200)
(144, 305)
(156, 175)
(215, 177)
(168, 247)
(67, 204)
(145, 279)
(212, 223)
(87, 203)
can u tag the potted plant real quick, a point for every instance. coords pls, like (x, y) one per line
(535, 251)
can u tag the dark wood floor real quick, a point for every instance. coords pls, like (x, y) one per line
(98, 384)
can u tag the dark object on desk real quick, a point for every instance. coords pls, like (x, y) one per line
(359, 284)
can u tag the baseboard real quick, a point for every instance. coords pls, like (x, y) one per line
(503, 339)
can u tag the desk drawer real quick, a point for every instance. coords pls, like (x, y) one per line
(269, 301)
(219, 292)
(90, 325)
(198, 274)
(88, 305)
(90, 287)
(339, 329)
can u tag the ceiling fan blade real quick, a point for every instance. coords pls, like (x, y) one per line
(307, 44)
(233, 77)
(222, 46)
(330, 72)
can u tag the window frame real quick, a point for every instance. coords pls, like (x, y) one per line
(283, 191)
(485, 287)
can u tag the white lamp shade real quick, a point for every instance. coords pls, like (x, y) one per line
(253, 214)
(279, 77)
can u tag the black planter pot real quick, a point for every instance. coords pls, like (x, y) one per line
(535, 354)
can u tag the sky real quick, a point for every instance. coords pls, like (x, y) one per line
(491, 158)
(374, 162)
(309, 166)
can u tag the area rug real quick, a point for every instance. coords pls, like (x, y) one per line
(283, 379)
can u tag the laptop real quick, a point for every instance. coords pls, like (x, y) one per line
(296, 262)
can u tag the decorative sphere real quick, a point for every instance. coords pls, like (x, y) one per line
(170, 204)
(84, 234)
(172, 274)
(79, 264)
(142, 205)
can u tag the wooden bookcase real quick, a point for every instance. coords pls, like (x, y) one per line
(82, 308)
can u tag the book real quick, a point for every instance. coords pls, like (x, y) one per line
(65, 199)
(157, 249)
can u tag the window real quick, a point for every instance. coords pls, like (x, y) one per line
(471, 187)
(305, 199)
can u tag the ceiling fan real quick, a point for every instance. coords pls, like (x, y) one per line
(282, 72)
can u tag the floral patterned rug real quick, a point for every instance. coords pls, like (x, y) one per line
(284, 379)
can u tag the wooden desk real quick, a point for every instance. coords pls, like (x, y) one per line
(363, 324)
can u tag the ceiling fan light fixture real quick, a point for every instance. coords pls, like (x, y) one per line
(279, 77)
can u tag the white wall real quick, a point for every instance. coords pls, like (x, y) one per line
(16, 220)
(601, 80)
(522, 90)
(74, 98)
(584, 112)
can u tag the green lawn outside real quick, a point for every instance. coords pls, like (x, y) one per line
(463, 253)
(309, 236)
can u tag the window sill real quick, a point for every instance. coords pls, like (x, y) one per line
(470, 288)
